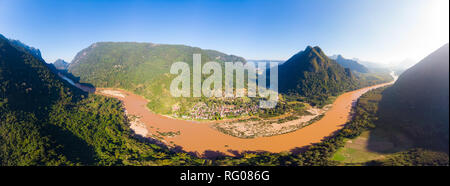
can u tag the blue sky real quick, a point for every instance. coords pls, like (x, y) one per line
(375, 30)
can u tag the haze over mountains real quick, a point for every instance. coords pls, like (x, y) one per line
(351, 64)
(400, 66)
(61, 64)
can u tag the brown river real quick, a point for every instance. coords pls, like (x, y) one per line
(201, 139)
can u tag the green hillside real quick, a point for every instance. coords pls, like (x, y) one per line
(142, 68)
(46, 121)
(311, 74)
(134, 65)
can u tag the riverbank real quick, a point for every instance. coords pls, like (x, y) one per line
(270, 127)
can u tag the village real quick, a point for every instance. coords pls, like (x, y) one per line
(201, 111)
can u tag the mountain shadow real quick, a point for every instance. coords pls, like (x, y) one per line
(414, 112)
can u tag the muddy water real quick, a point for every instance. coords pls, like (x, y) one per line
(198, 137)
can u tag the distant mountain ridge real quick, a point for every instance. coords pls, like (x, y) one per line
(61, 64)
(400, 66)
(351, 64)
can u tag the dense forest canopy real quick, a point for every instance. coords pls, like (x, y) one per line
(46, 121)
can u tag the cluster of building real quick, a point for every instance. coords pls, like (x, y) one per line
(203, 111)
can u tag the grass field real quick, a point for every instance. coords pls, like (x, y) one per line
(356, 151)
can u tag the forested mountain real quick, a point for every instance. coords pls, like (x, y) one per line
(26, 79)
(46, 121)
(128, 64)
(61, 64)
(139, 67)
(416, 108)
(310, 73)
(351, 64)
